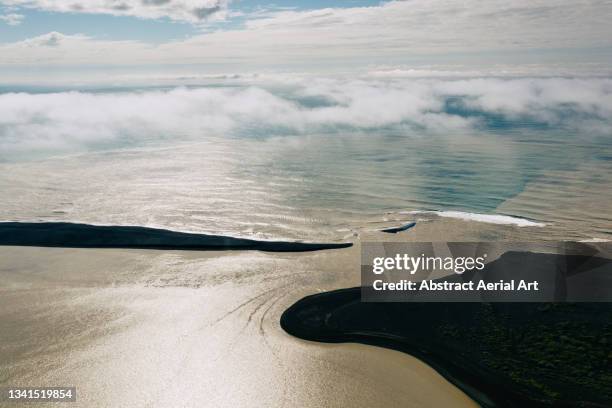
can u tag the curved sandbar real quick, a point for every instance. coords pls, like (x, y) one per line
(72, 235)
(500, 354)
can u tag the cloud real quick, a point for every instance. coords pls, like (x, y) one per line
(52, 39)
(12, 19)
(396, 32)
(193, 11)
(55, 47)
(75, 120)
(432, 25)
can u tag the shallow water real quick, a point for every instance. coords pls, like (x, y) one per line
(192, 329)
(323, 187)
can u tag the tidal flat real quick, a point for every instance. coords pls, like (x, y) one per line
(137, 328)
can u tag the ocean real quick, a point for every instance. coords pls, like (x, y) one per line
(320, 160)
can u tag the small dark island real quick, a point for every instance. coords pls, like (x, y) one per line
(500, 354)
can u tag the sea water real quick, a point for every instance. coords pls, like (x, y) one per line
(289, 162)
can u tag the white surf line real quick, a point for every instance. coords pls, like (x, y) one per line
(486, 218)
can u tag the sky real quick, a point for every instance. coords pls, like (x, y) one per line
(297, 67)
(25, 19)
(75, 40)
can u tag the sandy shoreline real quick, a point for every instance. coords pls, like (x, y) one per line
(152, 328)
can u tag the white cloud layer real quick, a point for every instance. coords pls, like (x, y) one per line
(393, 32)
(12, 19)
(73, 120)
(180, 10)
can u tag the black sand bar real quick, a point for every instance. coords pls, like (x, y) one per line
(71, 235)
(500, 354)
